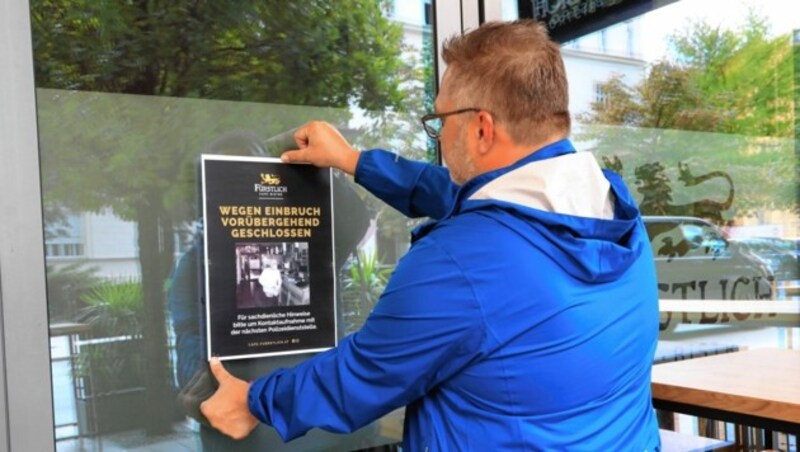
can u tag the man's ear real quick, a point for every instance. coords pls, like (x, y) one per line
(486, 132)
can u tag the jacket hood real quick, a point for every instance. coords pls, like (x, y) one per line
(586, 215)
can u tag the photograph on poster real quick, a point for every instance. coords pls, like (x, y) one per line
(272, 274)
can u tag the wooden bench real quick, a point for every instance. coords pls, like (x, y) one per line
(682, 442)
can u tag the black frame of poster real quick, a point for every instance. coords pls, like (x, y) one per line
(268, 257)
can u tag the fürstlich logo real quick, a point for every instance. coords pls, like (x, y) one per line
(269, 187)
(270, 179)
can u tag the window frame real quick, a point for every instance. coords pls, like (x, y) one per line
(26, 418)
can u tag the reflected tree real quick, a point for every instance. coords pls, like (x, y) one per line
(725, 104)
(400, 130)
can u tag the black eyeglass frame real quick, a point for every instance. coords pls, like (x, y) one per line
(436, 134)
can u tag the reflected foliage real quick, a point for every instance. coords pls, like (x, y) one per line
(737, 82)
(665, 99)
(316, 52)
(400, 131)
(744, 75)
(363, 283)
(66, 286)
(724, 106)
(112, 368)
(114, 308)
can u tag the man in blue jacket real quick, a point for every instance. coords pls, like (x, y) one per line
(524, 317)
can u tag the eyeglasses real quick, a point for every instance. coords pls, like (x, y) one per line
(434, 122)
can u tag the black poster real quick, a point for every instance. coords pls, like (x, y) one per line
(269, 274)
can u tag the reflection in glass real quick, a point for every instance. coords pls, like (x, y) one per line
(704, 132)
(695, 106)
(129, 94)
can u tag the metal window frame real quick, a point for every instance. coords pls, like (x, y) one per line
(26, 418)
(452, 17)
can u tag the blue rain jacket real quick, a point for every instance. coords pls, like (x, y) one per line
(504, 327)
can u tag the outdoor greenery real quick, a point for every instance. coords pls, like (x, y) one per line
(66, 286)
(114, 308)
(401, 132)
(363, 283)
(730, 81)
(112, 365)
(316, 52)
(725, 105)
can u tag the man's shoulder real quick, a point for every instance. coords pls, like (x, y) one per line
(478, 224)
(474, 236)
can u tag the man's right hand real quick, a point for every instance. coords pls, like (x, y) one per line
(228, 410)
(320, 144)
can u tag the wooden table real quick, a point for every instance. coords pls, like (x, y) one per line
(759, 388)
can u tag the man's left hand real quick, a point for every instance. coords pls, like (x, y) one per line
(227, 409)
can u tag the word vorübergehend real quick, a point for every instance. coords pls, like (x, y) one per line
(270, 221)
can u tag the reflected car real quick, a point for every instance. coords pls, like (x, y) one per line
(695, 261)
(779, 254)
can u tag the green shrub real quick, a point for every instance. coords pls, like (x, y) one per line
(114, 308)
(363, 283)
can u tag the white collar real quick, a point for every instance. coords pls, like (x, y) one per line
(570, 184)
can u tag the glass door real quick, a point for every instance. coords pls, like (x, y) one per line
(129, 95)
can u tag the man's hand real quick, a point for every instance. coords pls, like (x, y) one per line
(322, 145)
(227, 409)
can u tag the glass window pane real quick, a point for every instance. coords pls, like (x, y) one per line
(129, 95)
(694, 104)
